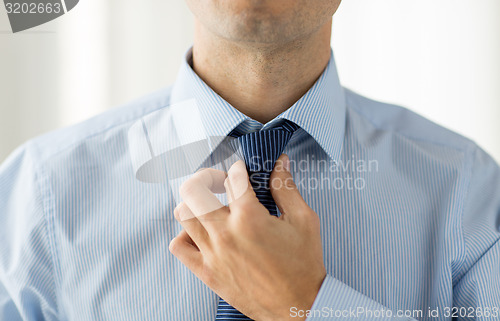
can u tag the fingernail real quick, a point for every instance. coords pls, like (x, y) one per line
(286, 162)
(238, 179)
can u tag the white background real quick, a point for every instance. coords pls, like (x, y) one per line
(440, 58)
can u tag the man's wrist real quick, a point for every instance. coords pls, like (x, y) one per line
(299, 311)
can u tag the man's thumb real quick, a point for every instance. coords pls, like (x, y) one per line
(284, 191)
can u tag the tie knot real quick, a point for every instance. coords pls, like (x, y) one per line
(261, 149)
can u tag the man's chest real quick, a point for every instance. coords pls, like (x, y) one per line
(384, 240)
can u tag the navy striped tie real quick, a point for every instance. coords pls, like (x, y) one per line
(259, 150)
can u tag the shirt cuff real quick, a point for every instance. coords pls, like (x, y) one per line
(336, 300)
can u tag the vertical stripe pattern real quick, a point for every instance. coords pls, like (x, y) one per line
(409, 212)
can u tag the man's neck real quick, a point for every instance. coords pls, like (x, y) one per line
(261, 80)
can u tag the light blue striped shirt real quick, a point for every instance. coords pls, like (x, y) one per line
(410, 212)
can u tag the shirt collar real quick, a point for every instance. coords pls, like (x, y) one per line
(320, 112)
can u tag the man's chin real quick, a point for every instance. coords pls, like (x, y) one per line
(258, 30)
(259, 6)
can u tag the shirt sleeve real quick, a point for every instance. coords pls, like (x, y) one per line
(27, 287)
(336, 300)
(477, 290)
(476, 293)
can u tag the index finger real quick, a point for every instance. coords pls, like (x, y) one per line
(198, 191)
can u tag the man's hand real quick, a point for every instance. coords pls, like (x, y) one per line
(260, 264)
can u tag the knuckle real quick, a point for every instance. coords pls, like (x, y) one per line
(313, 220)
(242, 217)
(246, 225)
(246, 206)
(235, 174)
(199, 175)
(187, 188)
(190, 186)
(224, 237)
